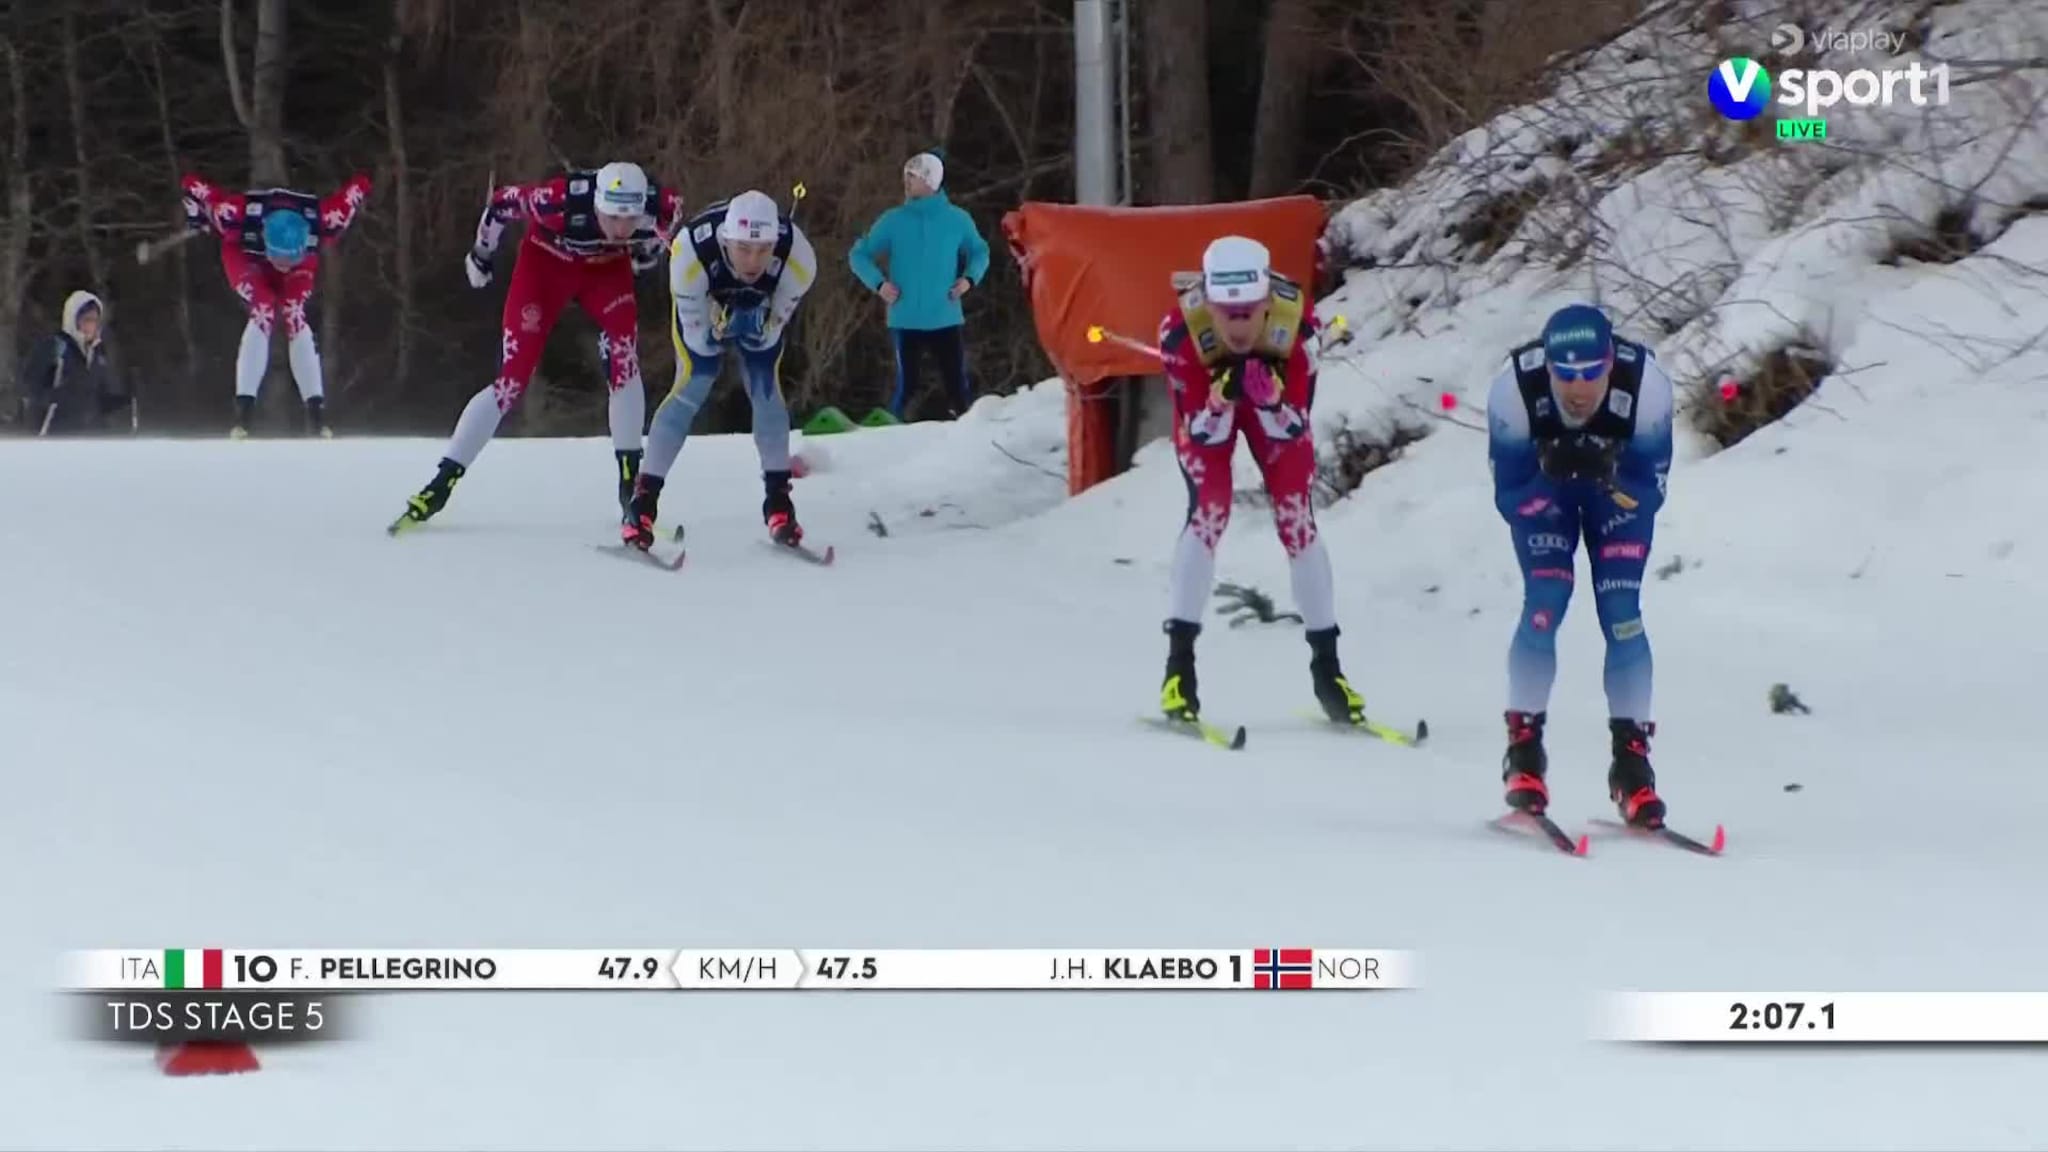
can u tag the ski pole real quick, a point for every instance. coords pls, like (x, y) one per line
(1097, 334)
(56, 384)
(147, 250)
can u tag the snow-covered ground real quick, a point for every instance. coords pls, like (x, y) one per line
(240, 715)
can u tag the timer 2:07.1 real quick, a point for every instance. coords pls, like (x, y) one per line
(1779, 1017)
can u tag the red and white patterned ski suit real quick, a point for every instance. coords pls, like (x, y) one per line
(1206, 431)
(559, 262)
(266, 290)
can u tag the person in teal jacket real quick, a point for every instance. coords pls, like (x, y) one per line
(922, 256)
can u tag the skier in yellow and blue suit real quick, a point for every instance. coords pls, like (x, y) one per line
(736, 272)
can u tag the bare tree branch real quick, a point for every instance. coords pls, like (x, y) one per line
(231, 57)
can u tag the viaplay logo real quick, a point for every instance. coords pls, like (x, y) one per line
(1740, 89)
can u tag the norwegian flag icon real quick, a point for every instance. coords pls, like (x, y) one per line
(1283, 968)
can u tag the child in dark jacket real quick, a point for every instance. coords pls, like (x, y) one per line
(69, 384)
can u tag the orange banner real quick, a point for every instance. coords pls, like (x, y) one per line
(1113, 267)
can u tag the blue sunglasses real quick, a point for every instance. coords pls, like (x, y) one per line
(1593, 371)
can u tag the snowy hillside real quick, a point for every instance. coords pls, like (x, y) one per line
(1709, 241)
(240, 715)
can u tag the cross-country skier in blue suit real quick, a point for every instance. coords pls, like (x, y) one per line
(1580, 444)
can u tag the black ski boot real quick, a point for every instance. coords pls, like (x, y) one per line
(629, 471)
(1631, 784)
(1177, 696)
(1333, 692)
(430, 499)
(1523, 767)
(245, 418)
(316, 418)
(641, 511)
(778, 511)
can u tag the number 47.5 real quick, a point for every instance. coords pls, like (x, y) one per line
(835, 968)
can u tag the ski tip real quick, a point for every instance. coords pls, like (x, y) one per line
(1421, 731)
(1720, 840)
(1516, 821)
(805, 551)
(1231, 739)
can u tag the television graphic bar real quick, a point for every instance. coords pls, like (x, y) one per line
(739, 969)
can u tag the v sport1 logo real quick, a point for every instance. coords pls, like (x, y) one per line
(1741, 88)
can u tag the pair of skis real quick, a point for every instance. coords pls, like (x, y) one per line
(1233, 738)
(674, 562)
(1519, 823)
(1515, 822)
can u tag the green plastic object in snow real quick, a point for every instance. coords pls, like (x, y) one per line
(829, 421)
(880, 418)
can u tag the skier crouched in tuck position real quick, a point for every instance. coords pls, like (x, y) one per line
(1580, 444)
(270, 241)
(1240, 355)
(587, 235)
(736, 273)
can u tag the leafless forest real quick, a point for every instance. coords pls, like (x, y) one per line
(107, 101)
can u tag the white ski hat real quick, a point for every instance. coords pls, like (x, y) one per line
(621, 190)
(1236, 270)
(77, 305)
(751, 218)
(928, 168)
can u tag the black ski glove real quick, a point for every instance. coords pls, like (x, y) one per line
(1579, 457)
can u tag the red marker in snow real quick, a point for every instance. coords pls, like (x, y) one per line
(1448, 401)
(1730, 389)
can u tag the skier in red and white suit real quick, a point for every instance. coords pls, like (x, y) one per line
(1240, 356)
(273, 271)
(587, 235)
